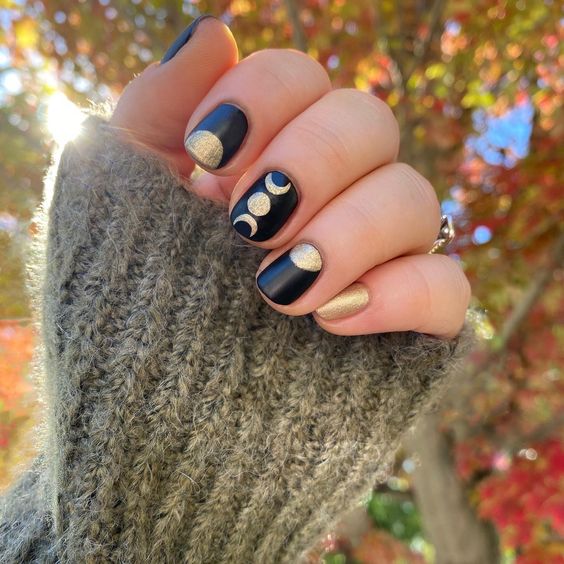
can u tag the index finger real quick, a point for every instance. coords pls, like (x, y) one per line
(249, 105)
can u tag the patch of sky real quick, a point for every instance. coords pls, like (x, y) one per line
(452, 27)
(504, 139)
(451, 207)
(5, 59)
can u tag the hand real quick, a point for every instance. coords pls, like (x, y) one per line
(310, 174)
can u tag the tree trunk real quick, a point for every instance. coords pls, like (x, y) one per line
(450, 522)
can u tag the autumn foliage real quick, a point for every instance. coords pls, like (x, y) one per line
(16, 393)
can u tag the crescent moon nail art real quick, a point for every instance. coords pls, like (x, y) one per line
(284, 280)
(216, 139)
(270, 201)
(273, 188)
(248, 220)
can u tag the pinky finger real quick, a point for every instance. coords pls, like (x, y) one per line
(424, 293)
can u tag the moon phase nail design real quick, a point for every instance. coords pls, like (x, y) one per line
(247, 220)
(216, 139)
(273, 188)
(269, 202)
(291, 274)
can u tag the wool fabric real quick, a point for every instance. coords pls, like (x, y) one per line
(185, 420)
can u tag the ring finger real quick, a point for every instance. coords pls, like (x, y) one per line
(390, 212)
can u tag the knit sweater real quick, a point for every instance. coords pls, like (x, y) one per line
(185, 420)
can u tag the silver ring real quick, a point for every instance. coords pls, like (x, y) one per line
(445, 236)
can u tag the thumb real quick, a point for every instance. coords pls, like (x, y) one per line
(155, 107)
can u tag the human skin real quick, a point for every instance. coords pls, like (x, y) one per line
(352, 219)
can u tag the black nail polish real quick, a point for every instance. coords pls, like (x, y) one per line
(264, 207)
(217, 137)
(291, 274)
(183, 38)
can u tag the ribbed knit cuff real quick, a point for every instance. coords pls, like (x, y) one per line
(190, 422)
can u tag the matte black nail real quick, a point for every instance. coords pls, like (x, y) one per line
(183, 38)
(291, 274)
(217, 137)
(264, 207)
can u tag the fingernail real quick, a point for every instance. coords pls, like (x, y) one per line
(183, 38)
(217, 137)
(291, 274)
(350, 300)
(264, 207)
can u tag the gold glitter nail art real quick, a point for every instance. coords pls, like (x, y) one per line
(350, 300)
(306, 257)
(249, 220)
(259, 204)
(273, 188)
(205, 147)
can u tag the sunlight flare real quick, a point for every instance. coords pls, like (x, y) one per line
(64, 119)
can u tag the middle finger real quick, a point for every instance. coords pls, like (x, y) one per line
(337, 140)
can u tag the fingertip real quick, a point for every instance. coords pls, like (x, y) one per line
(212, 187)
(157, 105)
(206, 39)
(183, 38)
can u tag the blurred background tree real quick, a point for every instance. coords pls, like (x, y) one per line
(478, 88)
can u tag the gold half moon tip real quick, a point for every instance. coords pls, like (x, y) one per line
(306, 257)
(273, 188)
(249, 220)
(204, 147)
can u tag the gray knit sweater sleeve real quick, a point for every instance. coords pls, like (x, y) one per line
(185, 420)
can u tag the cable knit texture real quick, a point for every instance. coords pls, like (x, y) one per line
(185, 420)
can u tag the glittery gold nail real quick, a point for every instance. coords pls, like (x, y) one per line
(350, 300)
(306, 257)
(205, 147)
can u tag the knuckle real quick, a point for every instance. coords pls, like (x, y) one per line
(417, 291)
(291, 69)
(354, 96)
(351, 97)
(424, 198)
(442, 297)
(360, 214)
(422, 190)
(325, 143)
(311, 66)
(457, 283)
(461, 284)
(375, 115)
(455, 321)
(420, 291)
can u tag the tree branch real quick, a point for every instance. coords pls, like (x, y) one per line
(449, 519)
(422, 49)
(459, 395)
(532, 295)
(298, 32)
